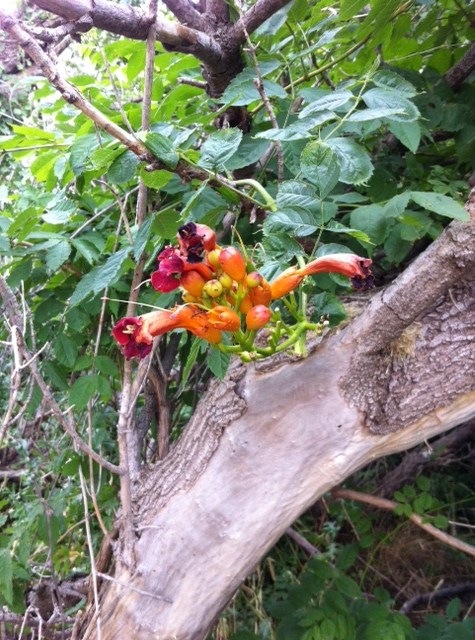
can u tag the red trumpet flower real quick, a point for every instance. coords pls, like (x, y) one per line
(348, 264)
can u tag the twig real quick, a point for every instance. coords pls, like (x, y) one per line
(307, 546)
(13, 313)
(438, 594)
(259, 84)
(193, 83)
(117, 94)
(91, 556)
(390, 505)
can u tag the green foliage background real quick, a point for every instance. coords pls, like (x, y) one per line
(377, 150)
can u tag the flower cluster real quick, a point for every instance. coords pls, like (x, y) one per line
(222, 292)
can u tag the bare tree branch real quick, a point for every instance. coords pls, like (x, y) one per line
(134, 23)
(460, 71)
(390, 505)
(187, 14)
(252, 19)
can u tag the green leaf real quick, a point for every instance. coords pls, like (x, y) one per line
(81, 151)
(381, 98)
(364, 115)
(155, 179)
(396, 206)
(220, 147)
(104, 156)
(408, 133)
(336, 227)
(293, 193)
(6, 575)
(123, 168)
(350, 8)
(83, 390)
(162, 149)
(321, 166)
(438, 203)
(330, 102)
(190, 361)
(142, 237)
(248, 152)
(371, 220)
(355, 162)
(58, 254)
(107, 366)
(299, 130)
(166, 224)
(100, 277)
(296, 222)
(65, 350)
(391, 80)
(218, 362)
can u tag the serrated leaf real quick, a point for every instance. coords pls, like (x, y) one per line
(438, 203)
(408, 133)
(321, 166)
(355, 163)
(218, 362)
(106, 365)
(100, 277)
(86, 248)
(142, 237)
(327, 103)
(371, 220)
(380, 98)
(162, 149)
(391, 80)
(249, 152)
(297, 223)
(104, 156)
(397, 205)
(220, 147)
(83, 390)
(155, 179)
(293, 193)
(6, 575)
(337, 227)
(123, 168)
(65, 350)
(58, 254)
(166, 224)
(363, 115)
(81, 151)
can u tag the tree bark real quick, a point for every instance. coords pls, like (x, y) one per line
(273, 437)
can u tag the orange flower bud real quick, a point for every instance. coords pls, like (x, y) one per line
(246, 304)
(258, 317)
(232, 263)
(193, 283)
(285, 283)
(262, 294)
(253, 279)
(223, 318)
(213, 288)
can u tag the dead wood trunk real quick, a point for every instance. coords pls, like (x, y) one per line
(267, 442)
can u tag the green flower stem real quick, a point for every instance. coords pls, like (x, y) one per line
(269, 200)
